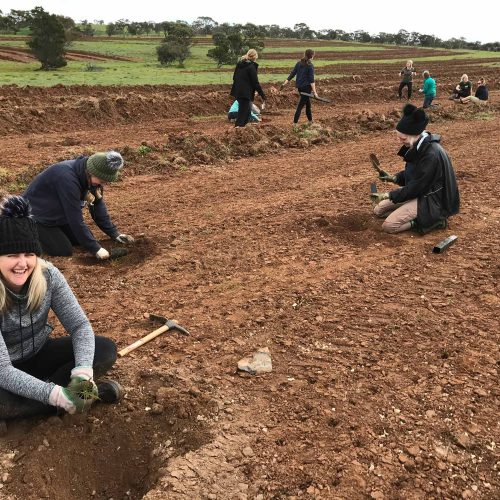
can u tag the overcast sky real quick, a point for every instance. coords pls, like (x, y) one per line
(445, 19)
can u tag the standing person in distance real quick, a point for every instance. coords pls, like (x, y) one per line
(304, 71)
(408, 72)
(428, 89)
(245, 84)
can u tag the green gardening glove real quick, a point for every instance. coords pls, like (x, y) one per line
(81, 392)
(385, 177)
(378, 197)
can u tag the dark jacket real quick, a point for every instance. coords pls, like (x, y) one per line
(305, 74)
(465, 89)
(482, 92)
(57, 196)
(246, 81)
(429, 177)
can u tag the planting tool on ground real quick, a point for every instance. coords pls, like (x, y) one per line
(168, 324)
(318, 98)
(376, 165)
(373, 187)
(444, 244)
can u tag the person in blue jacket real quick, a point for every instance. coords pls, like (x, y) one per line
(254, 113)
(428, 89)
(57, 196)
(304, 71)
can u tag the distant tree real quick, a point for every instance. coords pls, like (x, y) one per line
(204, 25)
(177, 43)
(230, 43)
(303, 31)
(19, 19)
(111, 29)
(48, 40)
(169, 52)
(86, 28)
(135, 29)
(361, 36)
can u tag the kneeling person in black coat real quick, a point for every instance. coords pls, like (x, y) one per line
(429, 193)
(57, 196)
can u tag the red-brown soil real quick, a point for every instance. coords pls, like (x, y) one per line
(19, 54)
(385, 356)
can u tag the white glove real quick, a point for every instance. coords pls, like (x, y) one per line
(124, 238)
(59, 399)
(102, 254)
(84, 372)
(263, 105)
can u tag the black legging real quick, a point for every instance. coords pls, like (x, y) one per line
(53, 363)
(56, 241)
(402, 85)
(304, 101)
(243, 112)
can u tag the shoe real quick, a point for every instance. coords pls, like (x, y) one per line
(110, 391)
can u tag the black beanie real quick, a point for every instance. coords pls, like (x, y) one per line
(18, 232)
(413, 121)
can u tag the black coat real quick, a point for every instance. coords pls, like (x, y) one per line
(429, 177)
(246, 81)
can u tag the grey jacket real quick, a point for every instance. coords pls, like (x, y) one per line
(23, 334)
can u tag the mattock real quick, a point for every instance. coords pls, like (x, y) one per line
(168, 324)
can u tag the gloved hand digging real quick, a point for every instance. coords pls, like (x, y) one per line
(76, 398)
(102, 254)
(378, 197)
(124, 238)
(385, 177)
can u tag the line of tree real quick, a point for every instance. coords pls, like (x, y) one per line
(204, 25)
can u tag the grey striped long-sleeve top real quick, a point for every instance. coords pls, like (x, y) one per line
(22, 335)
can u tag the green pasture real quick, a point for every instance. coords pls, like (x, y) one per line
(198, 68)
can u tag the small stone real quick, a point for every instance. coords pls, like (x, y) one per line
(430, 413)
(377, 495)
(212, 496)
(413, 450)
(441, 451)
(467, 494)
(480, 392)
(463, 440)
(157, 409)
(247, 451)
(474, 428)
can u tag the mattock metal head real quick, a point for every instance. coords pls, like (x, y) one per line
(172, 324)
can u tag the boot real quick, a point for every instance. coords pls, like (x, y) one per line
(110, 391)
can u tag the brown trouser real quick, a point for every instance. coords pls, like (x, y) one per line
(399, 215)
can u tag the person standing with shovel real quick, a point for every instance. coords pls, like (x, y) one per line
(304, 71)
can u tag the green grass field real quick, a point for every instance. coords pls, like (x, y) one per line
(198, 69)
